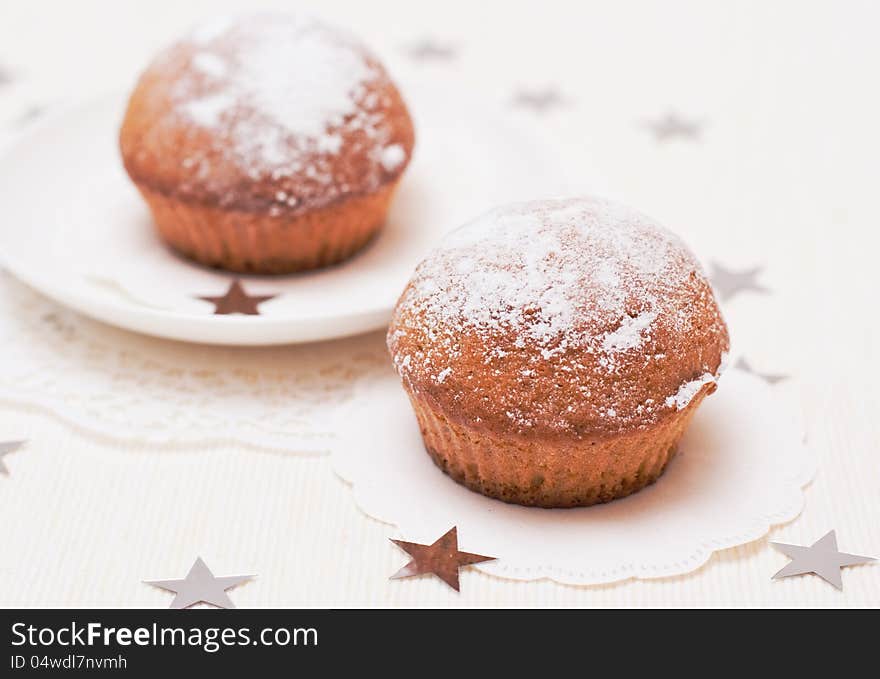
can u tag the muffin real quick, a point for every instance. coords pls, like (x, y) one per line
(555, 351)
(267, 143)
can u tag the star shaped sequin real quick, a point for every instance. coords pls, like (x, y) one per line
(538, 100)
(673, 126)
(431, 50)
(201, 586)
(442, 559)
(729, 283)
(30, 114)
(742, 364)
(237, 301)
(7, 447)
(821, 558)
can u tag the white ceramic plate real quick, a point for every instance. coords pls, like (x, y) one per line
(77, 230)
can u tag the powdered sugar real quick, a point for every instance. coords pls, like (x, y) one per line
(629, 334)
(688, 390)
(588, 313)
(525, 267)
(210, 64)
(392, 157)
(280, 91)
(207, 110)
(298, 77)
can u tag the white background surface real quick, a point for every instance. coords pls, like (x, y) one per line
(784, 175)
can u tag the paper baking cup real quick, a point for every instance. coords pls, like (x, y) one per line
(552, 471)
(249, 242)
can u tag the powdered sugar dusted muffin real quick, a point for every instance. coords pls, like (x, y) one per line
(555, 351)
(266, 143)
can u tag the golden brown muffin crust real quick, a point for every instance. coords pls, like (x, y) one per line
(269, 112)
(559, 318)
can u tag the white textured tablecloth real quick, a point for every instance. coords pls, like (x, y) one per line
(784, 175)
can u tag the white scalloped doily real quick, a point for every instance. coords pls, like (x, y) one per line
(130, 386)
(741, 469)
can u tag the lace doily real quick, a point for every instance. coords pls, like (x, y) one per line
(134, 387)
(740, 470)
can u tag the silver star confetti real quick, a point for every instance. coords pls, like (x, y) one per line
(673, 126)
(729, 283)
(441, 558)
(30, 115)
(7, 447)
(201, 585)
(821, 558)
(742, 364)
(236, 301)
(539, 101)
(430, 50)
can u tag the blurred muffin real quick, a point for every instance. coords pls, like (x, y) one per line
(554, 352)
(267, 143)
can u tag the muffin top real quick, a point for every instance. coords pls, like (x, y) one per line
(267, 112)
(571, 317)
